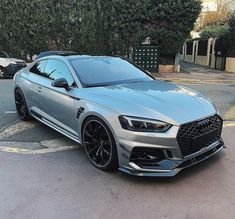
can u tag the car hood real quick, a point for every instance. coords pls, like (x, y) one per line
(154, 99)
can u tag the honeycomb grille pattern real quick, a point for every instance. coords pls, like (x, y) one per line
(198, 130)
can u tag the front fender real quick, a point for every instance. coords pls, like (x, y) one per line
(109, 116)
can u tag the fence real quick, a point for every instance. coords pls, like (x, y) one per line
(211, 53)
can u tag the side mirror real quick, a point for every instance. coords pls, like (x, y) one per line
(62, 83)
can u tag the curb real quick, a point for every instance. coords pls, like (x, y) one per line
(229, 124)
(39, 151)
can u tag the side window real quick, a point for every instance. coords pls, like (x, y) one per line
(56, 69)
(39, 68)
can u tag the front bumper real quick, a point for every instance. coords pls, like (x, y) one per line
(169, 168)
(165, 154)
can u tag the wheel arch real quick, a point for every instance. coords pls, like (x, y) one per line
(99, 116)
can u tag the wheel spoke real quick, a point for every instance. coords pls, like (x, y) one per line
(107, 143)
(102, 157)
(88, 134)
(93, 150)
(97, 143)
(106, 152)
(22, 110)
(89, 142)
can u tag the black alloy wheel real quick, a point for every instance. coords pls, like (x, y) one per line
(99, 144)
(21, 106)
(2, 73)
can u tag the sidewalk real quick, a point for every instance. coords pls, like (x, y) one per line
(197, 73)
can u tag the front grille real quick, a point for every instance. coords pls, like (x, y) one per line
(194, 136)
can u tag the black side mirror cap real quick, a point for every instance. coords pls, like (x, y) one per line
(61, 83)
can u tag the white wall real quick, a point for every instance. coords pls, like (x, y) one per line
(230, 64)
(201, 60)
(188, 58)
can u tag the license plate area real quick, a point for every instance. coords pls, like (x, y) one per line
(204, 140)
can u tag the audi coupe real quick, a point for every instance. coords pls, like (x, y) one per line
(123, 117)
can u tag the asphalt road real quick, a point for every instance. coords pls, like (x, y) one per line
(65, 185)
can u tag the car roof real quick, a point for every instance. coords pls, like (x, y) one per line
(71, 56)
(53, 53)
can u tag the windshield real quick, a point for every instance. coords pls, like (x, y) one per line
(103, 71)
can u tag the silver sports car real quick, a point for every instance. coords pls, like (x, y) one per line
(122, 116)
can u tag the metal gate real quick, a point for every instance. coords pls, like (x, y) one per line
(147, 57)
(220, 54)
(220, 61)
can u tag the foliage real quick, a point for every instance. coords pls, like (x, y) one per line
(127, 24)
(95, 26)
(229, 38)
(169, 23)
(214, 18)
(28, 27)
(215, 31)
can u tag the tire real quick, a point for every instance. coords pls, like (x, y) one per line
(3, 73)
(99, 144)
(21, 106)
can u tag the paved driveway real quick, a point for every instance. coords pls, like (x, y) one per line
(65, 185)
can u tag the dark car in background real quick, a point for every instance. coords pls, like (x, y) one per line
(9, 66)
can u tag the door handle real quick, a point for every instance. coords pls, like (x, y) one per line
(39, 89)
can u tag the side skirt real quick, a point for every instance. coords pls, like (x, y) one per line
(56, 128)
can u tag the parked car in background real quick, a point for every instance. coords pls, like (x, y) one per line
(122, 116)
(9, 66)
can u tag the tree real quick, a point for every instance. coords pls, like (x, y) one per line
(214, 31)
(169, 23)
(95, 26)
(218, 17)
(229, 38)
(37, 25)
(127, 25)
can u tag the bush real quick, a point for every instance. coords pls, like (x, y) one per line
(215, 31)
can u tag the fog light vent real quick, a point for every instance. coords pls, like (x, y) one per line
(146, 156)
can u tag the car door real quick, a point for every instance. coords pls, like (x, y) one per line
(35, 78)
(57, 104)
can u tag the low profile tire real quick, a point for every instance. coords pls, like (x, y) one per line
(99, 144)
(21, 107)
(3, 73)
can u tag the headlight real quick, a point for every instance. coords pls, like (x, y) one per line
(143, 125)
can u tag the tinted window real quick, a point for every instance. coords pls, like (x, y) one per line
(56, 69)
(95, 71)
(39, 68)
